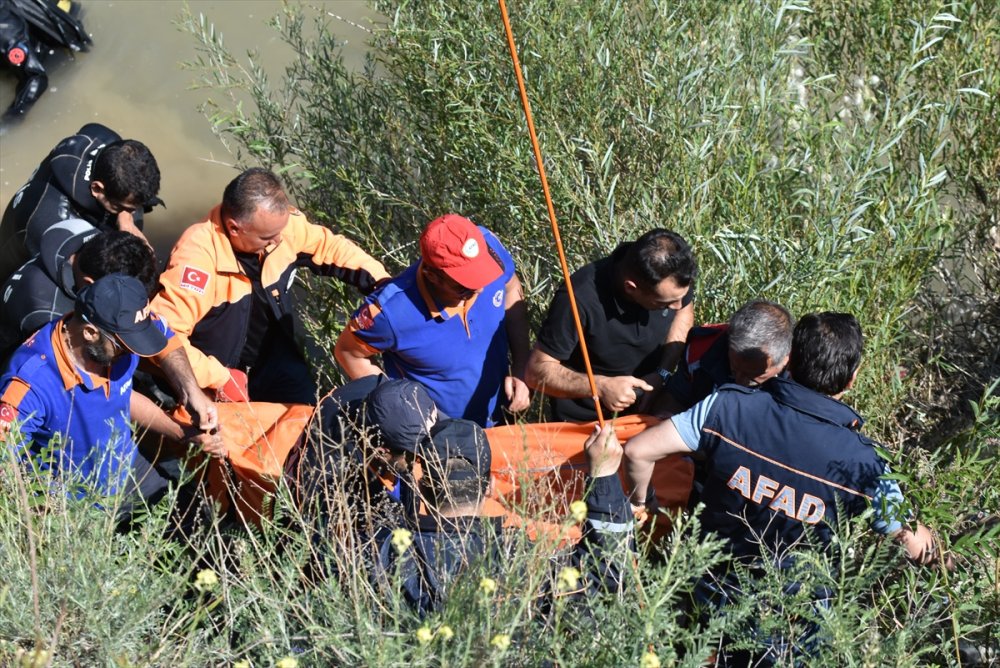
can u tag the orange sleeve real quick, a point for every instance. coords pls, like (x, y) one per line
(184, 307)
(334, 254)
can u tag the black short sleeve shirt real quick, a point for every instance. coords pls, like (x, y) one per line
(623, 338)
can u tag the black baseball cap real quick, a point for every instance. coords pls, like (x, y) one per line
(402, 413)
(455, 438)
(118, 305)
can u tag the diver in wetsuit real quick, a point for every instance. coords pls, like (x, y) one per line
(95, 176)
(29, 29)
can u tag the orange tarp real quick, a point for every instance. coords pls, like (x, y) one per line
(541, 467)
(537, 469)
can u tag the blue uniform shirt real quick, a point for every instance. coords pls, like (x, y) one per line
(459, 355)
(71, 422)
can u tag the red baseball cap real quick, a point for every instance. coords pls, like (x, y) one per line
(456, 246)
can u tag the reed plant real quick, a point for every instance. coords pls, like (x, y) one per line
(826, 155)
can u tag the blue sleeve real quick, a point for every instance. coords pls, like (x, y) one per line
(29, 420)
(373, 326)
(690, 422)
(888, 502)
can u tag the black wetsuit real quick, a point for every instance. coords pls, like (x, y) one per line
(58, 190)
(37, 293)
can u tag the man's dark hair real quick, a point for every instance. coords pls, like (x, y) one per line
(452, 483)
(761, 328)
(253, 188)
(826, 351)
(117, 252)
(128, 171)
(660, 254)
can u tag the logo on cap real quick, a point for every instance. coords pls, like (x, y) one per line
(471, 248)
(194, 279)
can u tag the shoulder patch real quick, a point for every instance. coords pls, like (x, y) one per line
(194, 279)
(365, 317)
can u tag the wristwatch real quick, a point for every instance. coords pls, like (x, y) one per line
(664, 375)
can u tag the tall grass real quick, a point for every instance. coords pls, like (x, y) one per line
(825, 155)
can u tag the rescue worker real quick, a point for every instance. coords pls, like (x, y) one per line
(66, 400)
(750, 349)
(424, 556)
(787, 463)
(636, 309)
(227, 290)
(94, 175)
(448, 322)
(72, 252)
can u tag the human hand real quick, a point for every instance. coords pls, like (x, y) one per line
(235, 389)
(518, 394)
(618, 392)
(209, 443)
(604, 452)
(203, 412)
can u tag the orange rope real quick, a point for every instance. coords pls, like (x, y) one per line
(552, 212)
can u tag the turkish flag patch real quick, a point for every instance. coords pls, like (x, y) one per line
(7, 415)
(195, 279)
(364, 318)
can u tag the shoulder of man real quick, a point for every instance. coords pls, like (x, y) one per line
(16, 384)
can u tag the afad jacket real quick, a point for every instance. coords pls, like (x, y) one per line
(207, 299)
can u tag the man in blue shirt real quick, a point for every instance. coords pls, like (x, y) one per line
(66, 401)
(447, 322)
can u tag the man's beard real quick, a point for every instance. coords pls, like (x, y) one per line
(98, 352)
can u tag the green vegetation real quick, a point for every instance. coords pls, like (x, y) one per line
(827, 155)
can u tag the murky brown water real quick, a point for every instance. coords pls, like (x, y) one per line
(131, 81)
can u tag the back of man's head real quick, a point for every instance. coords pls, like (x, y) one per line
(456, 466)
(826, 351)
(128, 171)
(117, 252)
(250, 190)
(761, 328)
(660, 254)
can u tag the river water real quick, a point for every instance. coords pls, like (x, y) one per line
(132, 81)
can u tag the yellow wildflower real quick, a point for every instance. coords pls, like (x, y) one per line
(33, 658)
(287, 662)
(445, 632)
(501, 641)
(578, 511)
(243, 663)
(649, 660)
(402, 539)
(488, 586)
(424, 635)
(568, 579)
(206, 580)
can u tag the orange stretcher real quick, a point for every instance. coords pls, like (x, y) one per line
(537, 469)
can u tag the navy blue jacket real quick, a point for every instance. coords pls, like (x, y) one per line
(780, 459)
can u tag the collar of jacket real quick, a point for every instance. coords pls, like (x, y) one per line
(810, 402)
(225, 256)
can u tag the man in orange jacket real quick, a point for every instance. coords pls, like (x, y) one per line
(227, 290)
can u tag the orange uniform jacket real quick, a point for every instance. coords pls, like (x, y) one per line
(207, 299)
